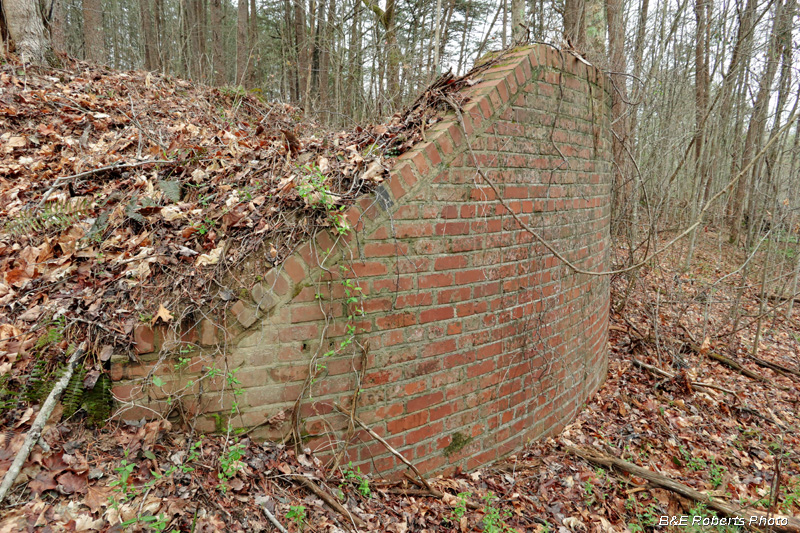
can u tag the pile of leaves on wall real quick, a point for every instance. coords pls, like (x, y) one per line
(128, 197)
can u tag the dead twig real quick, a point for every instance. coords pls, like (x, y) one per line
(327, 498)
(63, 179)
(391, 449)
(780, 523)
(695, 384)
(41, 419)
(274, 520)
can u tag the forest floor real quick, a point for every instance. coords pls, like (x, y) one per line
(735, 439)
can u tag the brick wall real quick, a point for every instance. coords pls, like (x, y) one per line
(476, 338)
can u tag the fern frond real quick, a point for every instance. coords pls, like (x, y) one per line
(52, 216)
(130, 210)
(97, 401)
(73, 394)
(171, 189)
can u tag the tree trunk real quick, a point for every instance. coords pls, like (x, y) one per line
(93, 37)
(26, 30)
(326, 46)
(253, 35)
(151, 57)
(301, 49)
(242, 48)
(216, 43)
(575, 24)
(55, 18)
(622, 179)
(392, 55)
(518, 31)
(437, 38)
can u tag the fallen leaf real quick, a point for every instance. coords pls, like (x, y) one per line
(212, 257)
(43, 482)
(17, 142)
(69, 483)
(25, 417)
(163, 314)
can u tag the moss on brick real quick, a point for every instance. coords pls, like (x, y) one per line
(457, 441)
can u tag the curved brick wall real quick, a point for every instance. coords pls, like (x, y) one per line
(479, 339)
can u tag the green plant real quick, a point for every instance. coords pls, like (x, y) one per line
(355, 476)
(54, 215)
(312, 189)
(792, 495)
(352, 297)
(229, 465)
(461, 508)
(122, 484)
(157, 523)
(716, 473)
(297, 514)
(494, 519)
(588, 491)
(701, 520)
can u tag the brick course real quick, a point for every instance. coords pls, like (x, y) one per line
(477, 334)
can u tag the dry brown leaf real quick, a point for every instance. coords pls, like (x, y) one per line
(69, 483)
(43, 482)
(162, 314)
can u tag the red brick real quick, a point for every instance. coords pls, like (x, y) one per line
(369, 269)
(407, 174)
(435, 280)
(144, 339)
(450, 262)
(397, 320)
(407, 422)
(424, 402)
(414, 300)
(294, 267)
(427, 432)
(298, 333)
(433, 315)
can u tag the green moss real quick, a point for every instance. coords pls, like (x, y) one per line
(298, 288)
(457, 442)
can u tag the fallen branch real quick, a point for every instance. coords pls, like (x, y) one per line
(774, 366)
(730, 363)
(780, 523)
(274, 520)
(391, 449)
(752, 412)
(695, 384)
(38, 425)
(327, 498)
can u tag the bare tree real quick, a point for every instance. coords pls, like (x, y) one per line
(93, 35)
(217, 51)
(242, 44)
